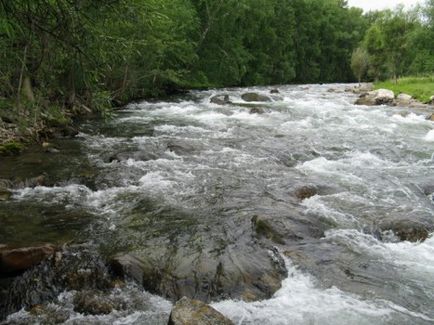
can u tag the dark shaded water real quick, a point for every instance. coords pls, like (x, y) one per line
(177, 184)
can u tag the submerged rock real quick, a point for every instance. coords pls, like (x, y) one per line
(49, 147)
(306, 192)
(257, 110)
(21, 259)
(194, 312)
(255, 97)
(5, 195)
(220, 99)
(93, 303)
(40, 180)
(408, 230)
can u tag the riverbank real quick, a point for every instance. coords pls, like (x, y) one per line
(30, 123)
(420, 88)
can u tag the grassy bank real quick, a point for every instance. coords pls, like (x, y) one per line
(421, 88)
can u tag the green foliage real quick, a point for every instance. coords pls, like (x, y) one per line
(66, 56)
(400, 43)
(421, 88)
(359, 62)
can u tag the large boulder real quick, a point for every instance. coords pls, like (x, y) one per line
(194, 312)
(75, 268)
(13, 260)
(255, 97)
(376, 97)
(183, 272)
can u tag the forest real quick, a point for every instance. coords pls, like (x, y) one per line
(63, 57)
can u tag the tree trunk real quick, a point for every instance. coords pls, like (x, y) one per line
(20, 81)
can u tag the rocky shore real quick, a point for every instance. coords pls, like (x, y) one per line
(369, 97)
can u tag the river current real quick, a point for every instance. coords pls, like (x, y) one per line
(184, 172)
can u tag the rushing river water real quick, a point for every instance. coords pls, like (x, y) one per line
(180, 181)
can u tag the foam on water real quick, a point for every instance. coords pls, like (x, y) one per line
(430, 136)
(301, 301)
(133, 306)
(196, 155)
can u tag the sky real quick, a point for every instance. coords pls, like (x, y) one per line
(381, 4)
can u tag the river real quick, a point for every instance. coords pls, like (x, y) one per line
(208, 197)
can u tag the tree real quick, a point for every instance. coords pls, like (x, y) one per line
(359, 62)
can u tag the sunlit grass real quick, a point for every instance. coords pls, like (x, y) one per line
(421, 88)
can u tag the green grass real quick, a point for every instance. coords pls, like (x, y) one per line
(421, 88)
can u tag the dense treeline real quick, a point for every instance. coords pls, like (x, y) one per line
(63, 55)
(397, 43)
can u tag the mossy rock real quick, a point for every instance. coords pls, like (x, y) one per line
(264, 229)
(187, 311)
(11, 148)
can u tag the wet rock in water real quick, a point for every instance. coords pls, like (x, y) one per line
(21, 259)
(40, 180)
(306, 192)
(139, 156)
(75, 268)
(255, 97)
(5, 195)
(131, 266)
(46, 145)
(257, 110)
(92, 303)
(376, 97)
(220, 99)
(331, 90)
(365, 99)
(181, 147)
(49, 148)
(408, 230)
(49, 314)
(430, 117)
(274, 91)
(5, 184)
(201, 275)
(194, 312)
(263, 228)
(68, 132)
